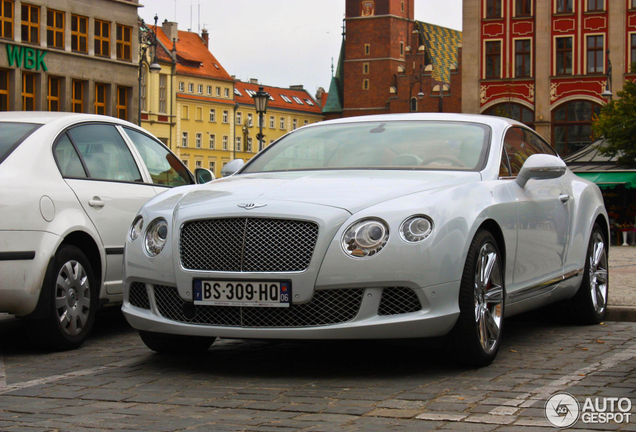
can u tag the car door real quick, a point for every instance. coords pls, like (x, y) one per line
(100, 169)
(542, 222)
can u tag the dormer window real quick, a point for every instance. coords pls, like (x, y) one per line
(286, 99)
(297, 100)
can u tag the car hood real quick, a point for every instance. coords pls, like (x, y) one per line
(348, 190)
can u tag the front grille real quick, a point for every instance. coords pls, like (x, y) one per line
(138, 296)
(248, 244)
(326, 307)
(398, 300)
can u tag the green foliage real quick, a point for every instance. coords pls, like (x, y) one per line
(617, 123)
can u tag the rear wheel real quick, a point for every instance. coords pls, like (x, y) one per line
(477, 334)
(164, 343)
(72, 304)
(589, 304)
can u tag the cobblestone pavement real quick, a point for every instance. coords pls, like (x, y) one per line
(622, 264)
(115, 383)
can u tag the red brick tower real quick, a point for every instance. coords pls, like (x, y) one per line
(378, 33)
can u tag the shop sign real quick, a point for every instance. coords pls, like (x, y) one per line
(27, 58)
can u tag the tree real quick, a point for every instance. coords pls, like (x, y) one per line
(617, 124)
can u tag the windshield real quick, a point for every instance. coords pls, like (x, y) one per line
(11, 135)
(425, 145)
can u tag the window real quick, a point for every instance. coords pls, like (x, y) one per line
(185, 112)
(595, 54)
(633, 4)
(162, 93)
(191, 87)
(79, 34)
(401, 48)
(6, 19)
(282, 123)
(218, 91)
(77, 96)
(306, 122)
(212, 140)
(632, 51)
(28, 92)
(564, 6)
(197, 164)
(564, 56)
(297, 100)
(181, 86)
(522, 58)
(285, 98)
(595, 5)
(197, 140)
(53, 96)
(142, 89)
(199, 114)
(226, 92)
(184, 162)
(493, 59)
(67, 158)
(572, 126)
(493, 9)
(523, 8)
(518, 149)
(365, 84)
(212, 115)
(294, 124)
(226, 116)
(4, 90)
(163, 166)
(239, 118)
(367, 49)
(413, 105)
(122, 103)
(200, 88)
(250, 120)
(102, 38)
(249, 145)
(100, 99)
(30, 23)
(209, 90)
(238, 144)
(365, 68)
(55, 29)
(124, 42)
(211, 166)
(225, 140)
(272, 122)
(513, 111)
(309, 102)
(184, 139)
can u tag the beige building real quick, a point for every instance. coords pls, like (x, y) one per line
(69, 55)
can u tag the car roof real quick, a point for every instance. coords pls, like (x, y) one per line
(59, 119)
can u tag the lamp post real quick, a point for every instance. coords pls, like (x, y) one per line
(260, 104)
(147, 40)
(442, 87)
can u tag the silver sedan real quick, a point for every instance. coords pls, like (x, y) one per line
(396, 226)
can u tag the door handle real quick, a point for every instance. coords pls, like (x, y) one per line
(96, 202)
(564, 198)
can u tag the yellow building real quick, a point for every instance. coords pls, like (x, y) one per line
(189, 104)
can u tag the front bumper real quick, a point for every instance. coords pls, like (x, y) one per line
(365, 317)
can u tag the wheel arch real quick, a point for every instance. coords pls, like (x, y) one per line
(88, 246)
(493, 227)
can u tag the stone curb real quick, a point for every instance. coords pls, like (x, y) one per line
(621, 313)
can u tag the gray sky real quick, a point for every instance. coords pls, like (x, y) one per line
(279, 42)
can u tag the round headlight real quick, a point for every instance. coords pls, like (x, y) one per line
(365, 238)
(156, 236)
(416, 228)
(135, 228)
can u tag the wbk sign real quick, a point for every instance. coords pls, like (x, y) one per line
(26, 58)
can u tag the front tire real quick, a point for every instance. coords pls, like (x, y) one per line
(164, 343)
(589, 304)
(72, 302)
(477, 334)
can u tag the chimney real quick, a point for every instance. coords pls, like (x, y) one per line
(296, 87)
(253, 80)
(170, 29)
(205, 36)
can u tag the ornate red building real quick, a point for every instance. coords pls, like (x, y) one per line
(547, 63)
(390, 63)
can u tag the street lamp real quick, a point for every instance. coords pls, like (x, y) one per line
(261, 97)
(147, 40)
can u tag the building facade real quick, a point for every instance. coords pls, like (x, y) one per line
(390, 63)
(547, 63)
(287, 109)
(69, 55)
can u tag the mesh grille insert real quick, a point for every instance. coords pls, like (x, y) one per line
(138, 295)
(398, 300)
(247, 244)
(327, 307)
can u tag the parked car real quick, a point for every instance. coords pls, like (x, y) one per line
(393, 226)
(71, 186)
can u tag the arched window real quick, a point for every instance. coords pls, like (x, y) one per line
(572, 126)
(513, 111)
(413, 104)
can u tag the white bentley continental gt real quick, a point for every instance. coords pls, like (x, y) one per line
(393, 226)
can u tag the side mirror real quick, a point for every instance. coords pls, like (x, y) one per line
(231, 167)
(541, 167)
(203, 175)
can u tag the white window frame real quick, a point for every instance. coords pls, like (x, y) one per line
(191, 87)
(272, 122)
(197, 140)
(237, 145)
(250, 120)
(209, 89)
(226, 116)
(200, 88)
(282, 125)
(226, 92)
(181, 86)
(239, 118)
(184, 139)
(212, 115)
(218, 91)
(212, 141)
(225, 141)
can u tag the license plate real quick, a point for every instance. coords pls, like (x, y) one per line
(242, 293)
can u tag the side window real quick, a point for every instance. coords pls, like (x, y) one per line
(67, 159)
(105, 153)
(504, 166)
(164, 167)
(538, 142)
(518, 149)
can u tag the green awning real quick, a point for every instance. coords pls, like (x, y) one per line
(610, 179)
